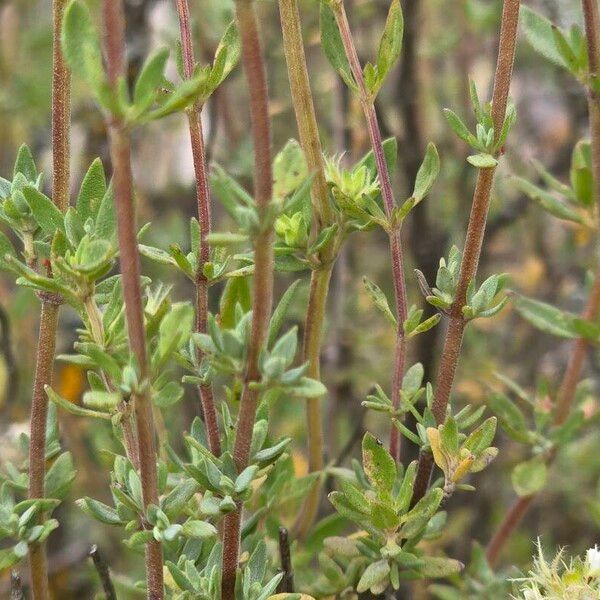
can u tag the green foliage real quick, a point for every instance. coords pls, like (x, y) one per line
(485, 140)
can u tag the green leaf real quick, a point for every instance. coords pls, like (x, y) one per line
(25, 164)
(482, 437)
(281, 311)
(390, 150)
(308, 388)
(379, 300)
(74, 408)
(332, 44)
(549, 202)
(5, 248)
(176, 328)
(427, 173)
(378, 464)
(81, 45)
(45, 212)
(459, 128)
(101, 399)
(99, 511)
(530, 476)
(227, 56)
(482, 161)
(198, 529)
(289, 170)
(390, 45)
(546, 317)
(59, 477)
(376, 573)
(150, 78)
(437, 566)
(92, 190)
(538, 31)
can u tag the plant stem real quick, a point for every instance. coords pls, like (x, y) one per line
(474, 239)
(566, 394)
(389, 203)
(254, 67)
(204, 218)
(61, 116)
(310, 141)
(103, 573)
(120, 150)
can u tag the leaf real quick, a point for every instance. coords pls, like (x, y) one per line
(5, 248)
(332, 44)
(538, 31)
(548, 202)
(150, 78)
(289, 170)
(437, 566)
(390, 150)
(25, 164)
(198, 529)
(81, 45)
(99, 511)
(59, 477)
(427, 173)
(530, 476)
(280, 312)
(379, 300)
(373, 575)
(378, 464)
(390, 45)
(91, 192)
(482, 161)
(459, 128)
(176, 328)
(308, 388)
(227, 56)
(74, 408)
(45, 212)
(546, 317)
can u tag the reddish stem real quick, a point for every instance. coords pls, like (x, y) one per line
(254, 67)
(474, 239)
(566, 394)
(204, 218)
(61, 118)
(389, 203)
(120, 150)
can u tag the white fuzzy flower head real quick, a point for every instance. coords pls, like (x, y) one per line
(592, 560)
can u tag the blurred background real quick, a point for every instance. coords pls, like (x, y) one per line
(444, 42)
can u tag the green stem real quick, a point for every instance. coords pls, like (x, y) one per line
(310, 141)
(387, 194)
(204, 218)
(254, 67)
(61, 117)
(120, 151)
(474, 239)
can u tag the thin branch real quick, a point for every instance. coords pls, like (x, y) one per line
(308, 131)
(204, 218)
(103, 573)
(568, 387)
(389, 203)
(474, 239)
(254, 67)
(287, 582)
(61, 116)
(120, 150)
